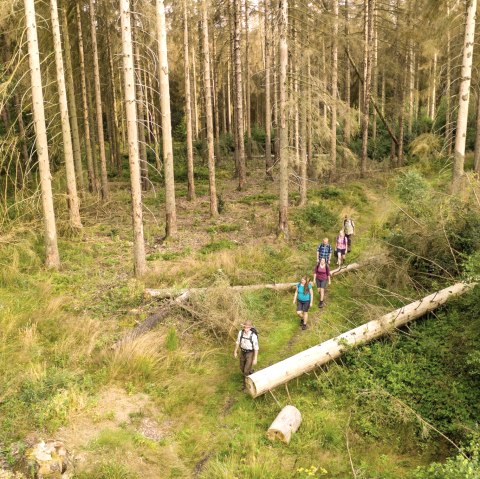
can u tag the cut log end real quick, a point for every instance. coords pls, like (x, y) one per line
(285, 424)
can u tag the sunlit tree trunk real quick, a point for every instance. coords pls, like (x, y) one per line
(247, 80)
(142, 142)
(52, 258)
(374, 69)
(411, 89)
(209, 113)
(282, 127)
(92, 184)
(132, 135)
(347, 126)
(98, 104)
(72, 105)
(213, 70)
(72, 195)
(464, 97)
(195, 96)
(170, 209)
(476, 162)
(239, 94)
(434, 86)
(268, 110)
(188, 107)
(333, 130)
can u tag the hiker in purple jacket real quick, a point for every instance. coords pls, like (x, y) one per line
(321, 275)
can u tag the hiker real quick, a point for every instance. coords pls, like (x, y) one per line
(247, 342)
(349, 228)
(324, 250)
(303, 299)
(341, 247)
(321, 275)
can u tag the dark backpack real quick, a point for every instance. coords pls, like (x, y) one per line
(254, 331)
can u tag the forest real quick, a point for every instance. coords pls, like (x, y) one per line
(169, 170)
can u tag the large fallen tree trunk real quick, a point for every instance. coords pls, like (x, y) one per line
(266, 379)
(173, 293)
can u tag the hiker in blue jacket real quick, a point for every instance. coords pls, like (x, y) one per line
(304, 300)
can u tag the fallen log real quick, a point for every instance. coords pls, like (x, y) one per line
(268, 378)
(285, 424)
(173, 293)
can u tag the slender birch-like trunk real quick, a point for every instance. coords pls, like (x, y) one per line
(347, 126)
(282, 127)
(195, 96)
(239, 94)
(209, 113)
(92, 183)
(476, 161)
(434, 86)
(268, 109)
(72, 195)
(170, 208)
(98, 104)
(448, 87)
(464, 97)
(333, 129)
(213, 70)
(52, 258)
(411, 89)
(140, 264)
(374, 69)
(247, 81)
(188, 107)
(72, 105)
(142, 142)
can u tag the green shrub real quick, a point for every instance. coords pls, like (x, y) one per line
(318, 215)
(217, 246)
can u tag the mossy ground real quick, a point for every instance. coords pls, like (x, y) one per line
(57, 329)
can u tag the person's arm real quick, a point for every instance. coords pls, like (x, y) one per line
(329, 276)
(255, 350)
(295, 297)
(310, 287)
(329, 253)
(318, 255)
(353, 227)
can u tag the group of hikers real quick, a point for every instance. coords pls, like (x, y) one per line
(247, 339)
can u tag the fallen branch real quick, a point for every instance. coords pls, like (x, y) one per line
(173, 293)
(266, 379)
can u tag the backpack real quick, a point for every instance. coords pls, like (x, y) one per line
(254, 331)
(348, 226)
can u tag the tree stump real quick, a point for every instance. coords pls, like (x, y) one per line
(286, 423)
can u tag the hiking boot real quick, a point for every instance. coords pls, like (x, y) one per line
(321, 304)
(304, 326)
(301, 322)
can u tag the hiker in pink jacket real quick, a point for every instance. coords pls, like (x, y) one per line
(341, 247)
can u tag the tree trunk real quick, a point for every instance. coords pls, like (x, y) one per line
(411, 89)
(334, 87)
(98, 104)
(286, 423)
(476, 161)
(434, 87)
(52, 258)
(374, 69)
(347, 126)
(173, 293)
(209, 113)
(237, 16)
(142, 142)
(72, 104)
(282, 127)
(92, 184)
(188, 107)
(247, 81)
(132, 134)
(72, 196)
(464, 97)
(448, 87)
(266, 379)
(268, 109)
(213, 70)
(195, 96)
(170, 209)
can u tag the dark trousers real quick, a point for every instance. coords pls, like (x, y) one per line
(349, 240)
(246, 362)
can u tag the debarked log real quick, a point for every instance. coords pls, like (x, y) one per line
(267, 379)
(286, 423)
(173, 293)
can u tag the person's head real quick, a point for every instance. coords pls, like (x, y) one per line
(303, 280)
(322, 262)
(342, 233)
(247, 326)
(325, 240)
(346, 217)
